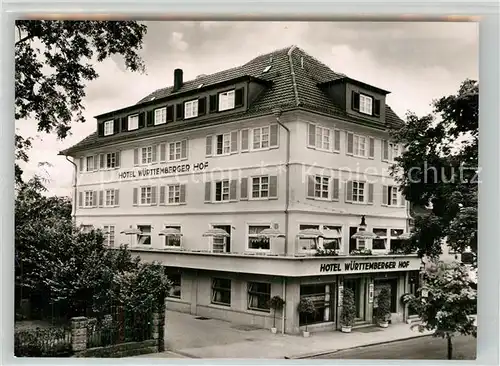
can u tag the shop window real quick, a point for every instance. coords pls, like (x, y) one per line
(221, 291)
(175, 289)
(322, 300)
(259, 294)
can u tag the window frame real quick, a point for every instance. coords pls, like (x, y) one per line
(364, 102)
(176, 189)
(92, 157)
(174, 144)
(167, 239)
(106, 198)
(160, 112)
(225, 96)
(141, 203)
(220, 289)
(150, 235)
(106, 126)
(223, 153)
(260, 197)
(110, 157)
(356, 143)
(328, 188)
(320, 141)
(385, 239)
(222, 182)
(261, 140)
(134, 118)
(192, 107)
(365, 192)
(320, 243)
(251, 293)
(107, 237)
(249, 236)
(90, 201)
(147, 156)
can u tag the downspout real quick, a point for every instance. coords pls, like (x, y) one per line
(284, 307)
(75, 175)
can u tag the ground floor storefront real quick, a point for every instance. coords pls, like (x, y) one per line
(244, 298)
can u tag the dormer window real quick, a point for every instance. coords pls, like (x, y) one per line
(191, 109)
(108, 128)
(133, 122)
(160, 116)
(365, 104)
(226, 100)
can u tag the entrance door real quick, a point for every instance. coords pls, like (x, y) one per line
(222, 245)
(391, 284)
(357, 285)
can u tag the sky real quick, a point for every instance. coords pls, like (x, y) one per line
(416, 62)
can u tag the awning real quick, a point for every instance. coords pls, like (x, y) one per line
(309, 234)
(271, 233)
(169, 232)
(216, 233)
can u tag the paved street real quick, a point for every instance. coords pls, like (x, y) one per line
(423, 348)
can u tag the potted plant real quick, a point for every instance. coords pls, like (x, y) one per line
(276, 303)
(306, 307)
(348, 310)
(383, 308)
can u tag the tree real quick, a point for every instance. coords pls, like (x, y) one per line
(306, 307)
(53, 63)
(447, 302)
(438, 169)
(276, 303)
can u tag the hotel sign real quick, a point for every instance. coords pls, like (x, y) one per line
(362, 266)
(163, 170)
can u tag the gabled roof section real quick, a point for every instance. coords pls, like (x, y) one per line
(347, 79)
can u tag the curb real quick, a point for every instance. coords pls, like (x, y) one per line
(183, 354)
(316, 354)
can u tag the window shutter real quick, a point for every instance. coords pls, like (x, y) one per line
(101, 198)
(100, 129)
(102, 158)
(179, 111)
(117, 197)
(94, 199)
(274, 136)
(154, 196)
(124, 124)
(244, 140)
(238, 97)
(371, 143)
(208, 148)
(385, 150)
(202, 106)
(162, 195)
(376, 107)
(370, 192)
(117, 159)
(244, 189)
(134, 197)
(273, 186)
(136, 156)
(208, 196)
(402, 199)
(335, 189)
(116, 125)
(350, 143)
(170, 113)
(213, 103)
(142, 118)
(80, 199)
(96, 163)
(233, 186)
(184, 149)
(182, 197)
(154, 157)
(163, 152)
(310, 186)
(150, 120)
(385, 196)
(234, 141)
(348, 191)
(82, 161)
(355, 100)
(336, 140)
(312, 135)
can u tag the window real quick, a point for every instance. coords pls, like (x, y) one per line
(256, 242)
(222, 245)
(109, 235)
(359, 148)
(393, 151)
(331, 240)
(260, 187)
(380, 243)
(89, 199)
(110, 160)
(226, 100)
(390, 195)
(133, 122)
(87, 228)
(221, 291)
(318, 295)
(222, 191)
(322, 138)
(355, 243)
(358, 191)
(147, 155)
(396, 244)
(146, 194)
(108, 128)
(365, 104)
(191, 109)
(261, 138)
(144, 238)
(175, 289)
(321, 185)
(174, 193)
(90, 163)
(223, 144)
(259, 294)
(173, 241)
(110, 197)
(160, 116)
(307, 244)
(175, 149)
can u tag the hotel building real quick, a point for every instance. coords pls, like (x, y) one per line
(281, 142)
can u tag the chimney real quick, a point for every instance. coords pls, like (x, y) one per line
(177, 79)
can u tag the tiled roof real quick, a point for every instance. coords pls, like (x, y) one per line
(305, 94)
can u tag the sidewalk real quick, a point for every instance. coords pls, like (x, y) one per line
(212, 338)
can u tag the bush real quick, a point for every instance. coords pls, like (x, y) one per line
(384, 305)
(276, 303)
(50, 342)
(348, 313)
